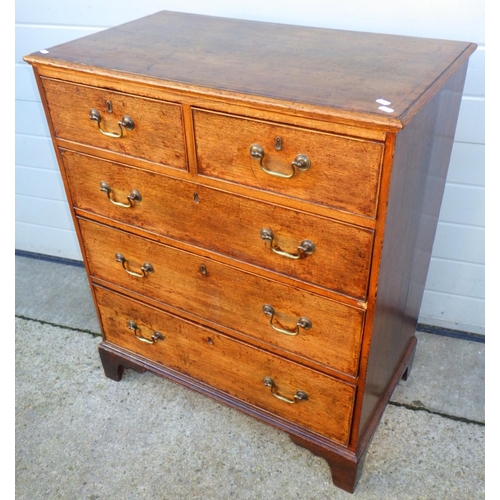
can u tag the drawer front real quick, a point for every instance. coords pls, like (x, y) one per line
(343, 172)
(229, 365)
(207, 289)
(157, 134)
(227, 224)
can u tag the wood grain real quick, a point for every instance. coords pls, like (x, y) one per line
(228, 297)
(344, 171)
(204, 89)
(417, 184)
(227, 224)
(336, 69)
(232, 366)
(157, 136)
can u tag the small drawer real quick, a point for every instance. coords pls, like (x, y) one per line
(316, 250)
(305, 324)
(320, 403)
(331, 170)
(135, 126)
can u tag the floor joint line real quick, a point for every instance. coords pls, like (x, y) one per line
(72, 328)
(432, 412)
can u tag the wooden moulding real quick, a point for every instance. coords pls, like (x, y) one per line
(343, 463)
(378, 232)
(345, 466)
(282, 76)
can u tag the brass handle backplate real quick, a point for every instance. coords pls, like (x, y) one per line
(126, 123)
(304, 323)
(132, 325)
(145, 269)
(133, 197)
(301, 162)
(305, 248)
(298, 396)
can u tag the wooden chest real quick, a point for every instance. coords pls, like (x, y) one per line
(256, 206)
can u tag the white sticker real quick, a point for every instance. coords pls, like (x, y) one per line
(383, 102)
(43, 51)
(386, 109)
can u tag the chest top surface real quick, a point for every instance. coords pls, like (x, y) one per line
(341, 70)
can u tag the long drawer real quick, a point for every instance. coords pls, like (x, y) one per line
(296, 321)
(127, 124)
(332, 254)
(320, 403)
(332, 170)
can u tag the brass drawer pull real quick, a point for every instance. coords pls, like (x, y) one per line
(303, 322)
(299, 395)
(126, 123)
(133, 197)
(305, 248)
(156, 335)
(145, 269)
(301, 162)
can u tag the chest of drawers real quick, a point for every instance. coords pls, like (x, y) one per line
(256, 206)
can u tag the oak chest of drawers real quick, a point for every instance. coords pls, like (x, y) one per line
(256, 206)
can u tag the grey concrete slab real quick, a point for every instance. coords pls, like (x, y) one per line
(81, 435)
(448, 376)
(54, 292)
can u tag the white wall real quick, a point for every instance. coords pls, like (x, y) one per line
(454, 295)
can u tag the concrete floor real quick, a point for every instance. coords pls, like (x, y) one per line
(80, 435)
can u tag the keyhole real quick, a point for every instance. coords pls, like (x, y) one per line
(196, 198)
(203, 269)
(109, 106)
(210, 341)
